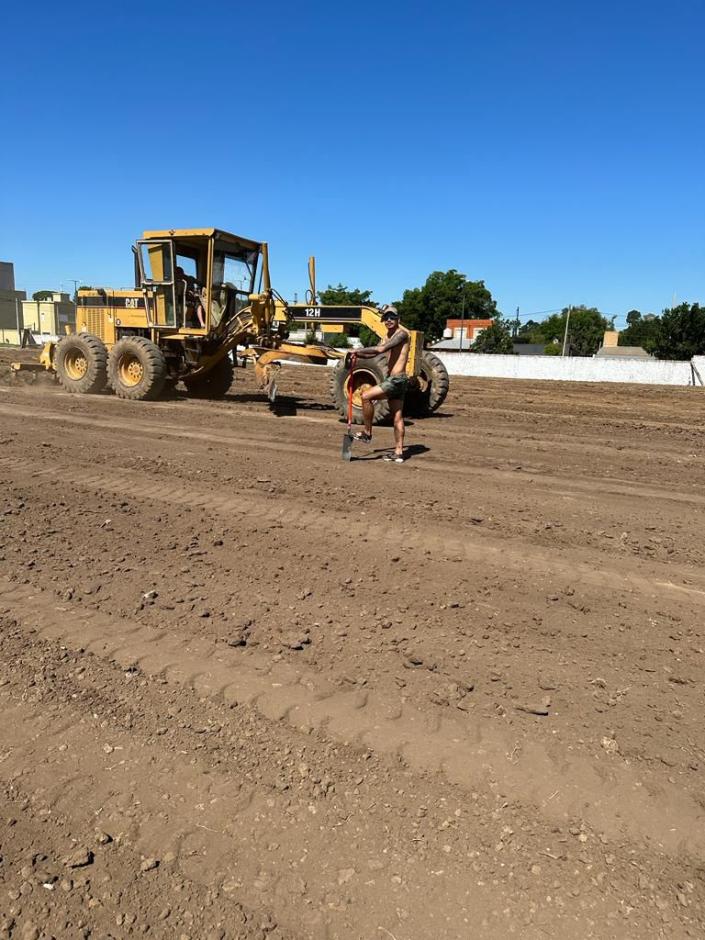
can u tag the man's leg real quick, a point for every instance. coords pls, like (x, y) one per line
(396, 406)
(369, 397)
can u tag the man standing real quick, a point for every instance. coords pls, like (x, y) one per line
(393, 388)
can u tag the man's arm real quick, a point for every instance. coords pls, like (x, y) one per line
(369, 352)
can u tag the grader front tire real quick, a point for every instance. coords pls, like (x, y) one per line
(80, 362)
(368, 372)
(137, 369)
(438, 376)
(432, 388)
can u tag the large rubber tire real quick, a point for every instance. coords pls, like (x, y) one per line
(368, 372)
(80, 361)
(214, 384)
(432, 388)
(136, 369)
(440, 381)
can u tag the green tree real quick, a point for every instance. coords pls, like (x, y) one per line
(336, 340)
(529, 332)
(367, 336)
(441, 298)
(496, 338)
(641, 331)
(342, 296)
(585, 330)
(42, 295)
(552, 349)
(681, 332)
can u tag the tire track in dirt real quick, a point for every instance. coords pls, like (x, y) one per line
(559, 485)
(646, 585)
(200, 823)
(597, 418)
(622, 664)
(116, 863)
(622, 801)
(433, 429)
(499, 400)
(160, 431)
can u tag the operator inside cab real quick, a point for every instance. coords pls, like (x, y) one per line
(189, 300)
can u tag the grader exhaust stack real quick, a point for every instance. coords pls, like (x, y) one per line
(311, 295)
(266, 281)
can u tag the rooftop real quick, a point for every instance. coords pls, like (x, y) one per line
(623, 352)
(454, 345)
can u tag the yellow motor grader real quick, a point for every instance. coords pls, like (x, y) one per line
(201, 298)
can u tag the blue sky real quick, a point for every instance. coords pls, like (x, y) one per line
(555, 150)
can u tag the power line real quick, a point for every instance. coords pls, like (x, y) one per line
(537, 313)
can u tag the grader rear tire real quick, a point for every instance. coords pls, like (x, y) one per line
(214, 384)
(80, 361)
(136, 369)
(368, 372)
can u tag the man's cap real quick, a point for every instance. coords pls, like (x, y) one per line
(389, 311)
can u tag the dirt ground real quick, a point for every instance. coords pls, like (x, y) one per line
(250, 691)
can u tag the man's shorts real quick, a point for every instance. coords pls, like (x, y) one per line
(395, 386)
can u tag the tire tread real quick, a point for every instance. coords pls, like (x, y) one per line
(153, 363)
(96, 377)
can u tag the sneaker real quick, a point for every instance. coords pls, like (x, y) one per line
(394, 458)
(362, 436)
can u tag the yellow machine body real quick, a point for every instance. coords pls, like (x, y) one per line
(200, 293)
(98, 311)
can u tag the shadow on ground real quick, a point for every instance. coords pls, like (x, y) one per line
(413, 450)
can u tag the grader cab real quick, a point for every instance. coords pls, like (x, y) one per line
(202, 297)
(194, 300)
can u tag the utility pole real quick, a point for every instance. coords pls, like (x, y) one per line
(462, 324)
(516, 325)
(565, 335)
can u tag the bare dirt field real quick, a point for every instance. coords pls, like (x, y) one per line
(250, 691)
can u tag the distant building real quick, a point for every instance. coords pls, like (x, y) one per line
(611, 350)
(622, 352)
(50, 317)
(529, 349)
(10, 305)
(7, 276)
(459, 335)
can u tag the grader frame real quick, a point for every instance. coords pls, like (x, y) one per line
(199, 294)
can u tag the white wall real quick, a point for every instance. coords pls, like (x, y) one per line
(568, 369)
(576, 369)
